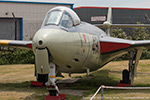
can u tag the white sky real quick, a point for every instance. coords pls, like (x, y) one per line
(113, 3)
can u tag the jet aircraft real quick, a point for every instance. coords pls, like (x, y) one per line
(66, 44)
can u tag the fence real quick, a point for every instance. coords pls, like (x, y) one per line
(102, 87)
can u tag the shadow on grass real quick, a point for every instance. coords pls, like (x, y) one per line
(17, 86)
(95, 80)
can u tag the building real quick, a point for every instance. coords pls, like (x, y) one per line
(20, 20)
(97, 15)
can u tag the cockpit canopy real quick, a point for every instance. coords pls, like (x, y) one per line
(61, 16)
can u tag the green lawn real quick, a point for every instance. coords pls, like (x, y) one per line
(15, 83)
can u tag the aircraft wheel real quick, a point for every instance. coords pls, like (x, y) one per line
(125, 77)
(42, 78)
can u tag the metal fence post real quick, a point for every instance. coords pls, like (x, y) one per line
(102, 93)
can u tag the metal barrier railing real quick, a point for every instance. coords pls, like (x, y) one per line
(102, 87)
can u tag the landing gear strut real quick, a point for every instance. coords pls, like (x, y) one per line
(128, 75)
(54, 93)
(52, 87)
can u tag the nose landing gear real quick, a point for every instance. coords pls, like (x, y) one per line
(54, 93)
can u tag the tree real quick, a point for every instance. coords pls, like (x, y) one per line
(119, 33)
(140, 33)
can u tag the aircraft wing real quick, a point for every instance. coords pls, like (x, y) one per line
(110, 44)
(16, 43)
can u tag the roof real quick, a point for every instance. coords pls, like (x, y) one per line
(59, 2)
(129, 8)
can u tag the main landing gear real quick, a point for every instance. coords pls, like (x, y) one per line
(128, 75)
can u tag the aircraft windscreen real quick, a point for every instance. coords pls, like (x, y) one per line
(66, 21)
(53, 17)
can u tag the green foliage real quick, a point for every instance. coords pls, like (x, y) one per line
(119, 33)
(17, 56)
(140, 33)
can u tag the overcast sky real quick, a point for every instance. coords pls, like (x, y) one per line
(113, 3)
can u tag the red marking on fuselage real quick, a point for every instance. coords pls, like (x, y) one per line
(84, 36)
(110, 47)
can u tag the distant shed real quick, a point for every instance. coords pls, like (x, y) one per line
(120, 15)
(21, 19)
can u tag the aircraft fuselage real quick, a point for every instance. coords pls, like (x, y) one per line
(73, 46)
(72, 50)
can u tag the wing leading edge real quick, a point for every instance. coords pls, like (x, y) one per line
(110, 44)
(16, 43)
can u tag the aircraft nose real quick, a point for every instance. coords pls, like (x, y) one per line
(52, 39)
(40, 38)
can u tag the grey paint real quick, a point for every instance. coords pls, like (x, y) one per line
(7, 28)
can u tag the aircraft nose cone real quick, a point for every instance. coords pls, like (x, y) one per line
(52, 39)
(60, 44)
(41, 38)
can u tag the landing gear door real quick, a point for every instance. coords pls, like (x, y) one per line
(42, 61)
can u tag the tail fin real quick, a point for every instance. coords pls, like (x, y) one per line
(109, 15)
(107, 24)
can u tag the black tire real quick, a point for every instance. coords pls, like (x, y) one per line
(125, 77)
(42, 78)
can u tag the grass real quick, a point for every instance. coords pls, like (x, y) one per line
(72, 97)
(15, 83)
(114, 70)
